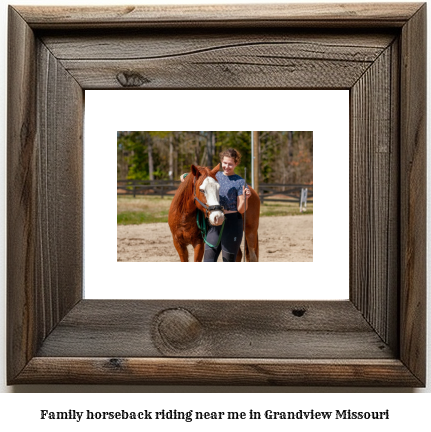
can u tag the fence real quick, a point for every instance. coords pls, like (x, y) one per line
(275, 192)
(281, 192)
(146, 187)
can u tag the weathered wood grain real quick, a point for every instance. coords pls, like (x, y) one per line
(139, 44)
(235, 329)
(230, 72)
(413, 194)
(375, 338)
(21, 153)
(257, 59)
(373, 183)
(197, 371)
(59, 189)
(45, 107)
(247, 66)
(312, 14)
(392, 301)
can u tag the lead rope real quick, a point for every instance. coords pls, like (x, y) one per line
(201, 223)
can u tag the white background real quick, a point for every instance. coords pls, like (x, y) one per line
(22, 410)
(326, 113)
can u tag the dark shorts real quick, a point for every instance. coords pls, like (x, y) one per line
(230, 240)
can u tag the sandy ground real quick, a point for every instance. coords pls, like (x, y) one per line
(281, 239)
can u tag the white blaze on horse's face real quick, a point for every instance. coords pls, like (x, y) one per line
(211, 189)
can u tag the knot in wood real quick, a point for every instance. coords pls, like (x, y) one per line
(131, 79)
(298, 312)
(115, 363)
(178, 328)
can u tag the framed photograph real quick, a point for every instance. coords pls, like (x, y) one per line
(119, 251)
(376, 337)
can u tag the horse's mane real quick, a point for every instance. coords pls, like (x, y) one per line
(185, 191)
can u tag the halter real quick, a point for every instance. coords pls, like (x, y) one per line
(208, 209)
(201, 218)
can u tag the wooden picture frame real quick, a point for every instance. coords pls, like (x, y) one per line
(376, 338)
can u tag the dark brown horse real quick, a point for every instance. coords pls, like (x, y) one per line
(198, 191)
(251, 228)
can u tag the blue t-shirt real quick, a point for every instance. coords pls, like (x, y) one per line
(230, 188)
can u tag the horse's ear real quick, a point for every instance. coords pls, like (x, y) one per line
(195, 171)
(215, 170)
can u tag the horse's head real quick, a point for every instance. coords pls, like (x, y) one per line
(206, 191)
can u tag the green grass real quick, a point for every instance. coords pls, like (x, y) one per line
(153, 209)
(142, 209)
(283, 209)
(130, 218)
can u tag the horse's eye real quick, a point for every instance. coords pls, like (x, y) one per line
(202, 190)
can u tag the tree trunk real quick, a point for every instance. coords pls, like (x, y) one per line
(150, 156)
(255, 161)
(197, 151)
(290, 144)
(171, 156)
(210, 148)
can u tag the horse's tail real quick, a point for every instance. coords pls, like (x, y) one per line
(257, 246)
(246, 251)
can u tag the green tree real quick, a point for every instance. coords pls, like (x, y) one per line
(284, 157)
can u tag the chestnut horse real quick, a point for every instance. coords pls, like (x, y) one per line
(183, 210)
(199, 191)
